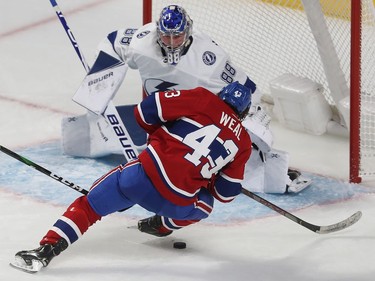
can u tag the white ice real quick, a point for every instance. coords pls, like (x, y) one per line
(39, 72)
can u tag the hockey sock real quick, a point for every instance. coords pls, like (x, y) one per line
(74, 222)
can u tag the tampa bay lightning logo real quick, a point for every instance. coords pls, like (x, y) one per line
(143, 34)
(209, 58)
(153, 85)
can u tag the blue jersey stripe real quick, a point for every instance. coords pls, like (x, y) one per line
(67, 229)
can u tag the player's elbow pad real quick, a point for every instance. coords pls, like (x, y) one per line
(224, 190)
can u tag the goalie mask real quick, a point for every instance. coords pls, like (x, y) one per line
(238, 97)
(174, 28)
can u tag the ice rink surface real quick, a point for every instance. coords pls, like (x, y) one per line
(39, 73)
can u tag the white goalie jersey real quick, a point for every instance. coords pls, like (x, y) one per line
(202, 64)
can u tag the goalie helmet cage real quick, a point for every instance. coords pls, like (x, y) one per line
(331, 42)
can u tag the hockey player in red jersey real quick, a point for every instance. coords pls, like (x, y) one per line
(195, 136)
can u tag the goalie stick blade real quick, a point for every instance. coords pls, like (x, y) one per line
(20, 264)
(340, 225)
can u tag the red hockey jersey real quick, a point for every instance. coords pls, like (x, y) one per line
(193, 136)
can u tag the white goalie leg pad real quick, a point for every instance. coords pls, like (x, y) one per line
(88, 135)
(271, 175)
(254, 173)
(75, 133)
(276, 171)
(267, 173)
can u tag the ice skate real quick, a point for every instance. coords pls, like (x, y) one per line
(153, 225)
(33, 261)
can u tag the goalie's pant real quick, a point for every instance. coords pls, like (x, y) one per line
(120, 189)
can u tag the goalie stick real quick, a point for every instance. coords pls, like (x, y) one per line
(110, 114)
(69, 33)
(315, 228)
(42, 170)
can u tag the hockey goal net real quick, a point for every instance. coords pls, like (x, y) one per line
(331, 42)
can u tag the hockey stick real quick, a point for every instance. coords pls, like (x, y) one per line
(69, 33)
(43, 170)
(315, 228)
(110, 114)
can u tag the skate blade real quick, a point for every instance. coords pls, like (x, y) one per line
(20, 264)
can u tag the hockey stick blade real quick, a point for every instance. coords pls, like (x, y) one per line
(315, 228)
(340, 225)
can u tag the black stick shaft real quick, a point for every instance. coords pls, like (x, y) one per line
(279, 210)
(42, 170)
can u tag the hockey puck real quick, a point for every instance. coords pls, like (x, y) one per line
(179, 245)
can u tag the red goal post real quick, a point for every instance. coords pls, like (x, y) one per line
(331, 42)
